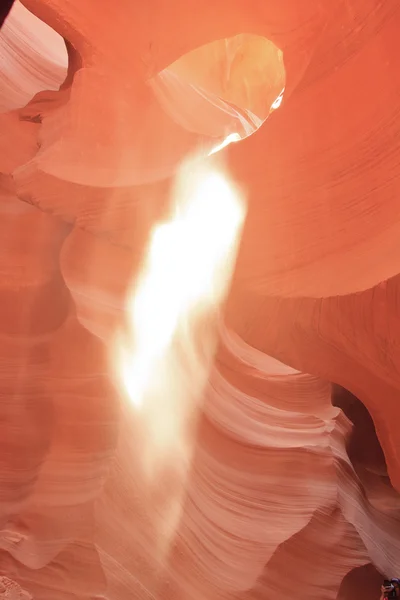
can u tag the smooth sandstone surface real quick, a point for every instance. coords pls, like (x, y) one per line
(281, 476)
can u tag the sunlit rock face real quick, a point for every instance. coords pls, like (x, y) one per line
(199, 380)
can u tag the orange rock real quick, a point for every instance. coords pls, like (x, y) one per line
(291, 485)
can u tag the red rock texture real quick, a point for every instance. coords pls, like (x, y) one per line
(293, 478)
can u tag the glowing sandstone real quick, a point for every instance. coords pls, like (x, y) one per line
(33, 58)
(273, 483)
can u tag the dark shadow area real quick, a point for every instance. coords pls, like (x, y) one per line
(363, 447)
(361, 583)
(5, 7)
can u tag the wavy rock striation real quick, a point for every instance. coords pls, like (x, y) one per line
(293, 485)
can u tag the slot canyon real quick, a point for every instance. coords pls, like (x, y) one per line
(200, 278)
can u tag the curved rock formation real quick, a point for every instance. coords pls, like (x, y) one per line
(33, 58)
(283, 476)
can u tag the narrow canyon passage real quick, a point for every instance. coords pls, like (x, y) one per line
(199, 314)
